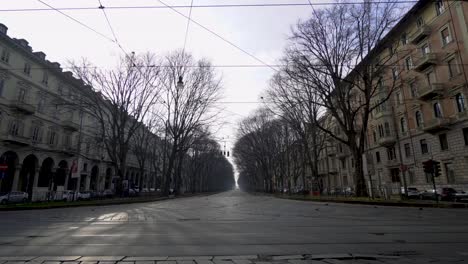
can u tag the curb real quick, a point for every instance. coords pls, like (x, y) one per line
(97, 203)
(381, 203)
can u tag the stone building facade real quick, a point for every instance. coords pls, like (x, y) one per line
(41, 129)
(427, 114)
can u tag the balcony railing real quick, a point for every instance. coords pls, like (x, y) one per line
(425, 61)
(387, 140)
(23, 107)
(430, 91)
(420, 34)
(68, 150)
(70, 125)
(385, 113)
(17, 140)
(436, 124)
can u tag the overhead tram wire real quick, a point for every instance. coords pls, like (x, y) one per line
(187, 28)
(219, 36)
(206, 6)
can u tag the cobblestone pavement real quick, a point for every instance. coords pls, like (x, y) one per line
(241, 259)
(234, 223)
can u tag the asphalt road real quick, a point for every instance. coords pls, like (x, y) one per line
(234, 223)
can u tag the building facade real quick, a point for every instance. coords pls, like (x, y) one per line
(48, 142)
(426, 116)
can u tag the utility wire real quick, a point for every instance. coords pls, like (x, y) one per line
(219, 36)
(77, 21)
(209, 6)
(187, 29)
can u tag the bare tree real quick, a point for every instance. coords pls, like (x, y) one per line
(120, 100)
(190, 89)
(337, 53)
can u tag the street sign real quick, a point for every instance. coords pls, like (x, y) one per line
(74, 169)
(3, 167)
(2, 175)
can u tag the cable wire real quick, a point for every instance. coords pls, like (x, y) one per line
(187, 29)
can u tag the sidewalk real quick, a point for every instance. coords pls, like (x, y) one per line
(369, 201)
(112, 201)
(245, 259)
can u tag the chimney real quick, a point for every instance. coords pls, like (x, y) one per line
(3, 29)
(68, 74)
(40, 54)
(55, 65)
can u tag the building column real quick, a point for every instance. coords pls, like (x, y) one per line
(14, 186)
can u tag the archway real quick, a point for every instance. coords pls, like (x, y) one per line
(9, 160)
(107, 182)
(27, 174)
(93, 179)
(61, 174)
(46, 175)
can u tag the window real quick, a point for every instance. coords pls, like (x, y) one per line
(430, 77)
(413, 90)
(52, 137)
(465, 135)
(387, 129)
(404, 39)
(377, 157)
(343, 163)
(445, 34)
(35, 134)
(21, 95)
(452, 67)
(45, 78)
(395, 73)
(409, 63)
(67, 140)
(391, 153)
(440, 7)
(381, 131)
(395, 173)
(374, 134)
(419, 119)
(407, 150)
(437, 110)
(2, 84)
(420, 22)
(345, 180)
(60, 90)
(403, 125)
(14, 128)
(5, 56)
(460, 99)
(449, 172)
(424, 146)
(27, 68)
(40, 105)
(443, 141)
(425, 49)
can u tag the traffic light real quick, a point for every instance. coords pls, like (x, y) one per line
(437, 171)
(428, 166)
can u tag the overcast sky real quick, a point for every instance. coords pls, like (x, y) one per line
(262, 31)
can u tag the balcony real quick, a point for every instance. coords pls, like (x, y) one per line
(425, 61)
(392, 163)
(342, 154)
(333, 170)
(387, 140)
(436, 124)
(461, 116)
(430, 91)
(70, 125)
(420, 34)
(22, 107)
(68, 150)
(331, 151)
(381, 114)
(16, 140)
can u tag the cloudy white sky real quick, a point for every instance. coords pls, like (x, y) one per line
(262, 31)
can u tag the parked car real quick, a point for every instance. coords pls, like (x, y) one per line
(83, 196)
(132, 192)
(428, 194)
(107, 194)
(412, 192)
(13, 197)
(461, 196)
(443, 194)
(67, 196)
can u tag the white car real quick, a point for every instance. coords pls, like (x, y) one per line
(13, 197)
(67, 196)
(83, 196)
